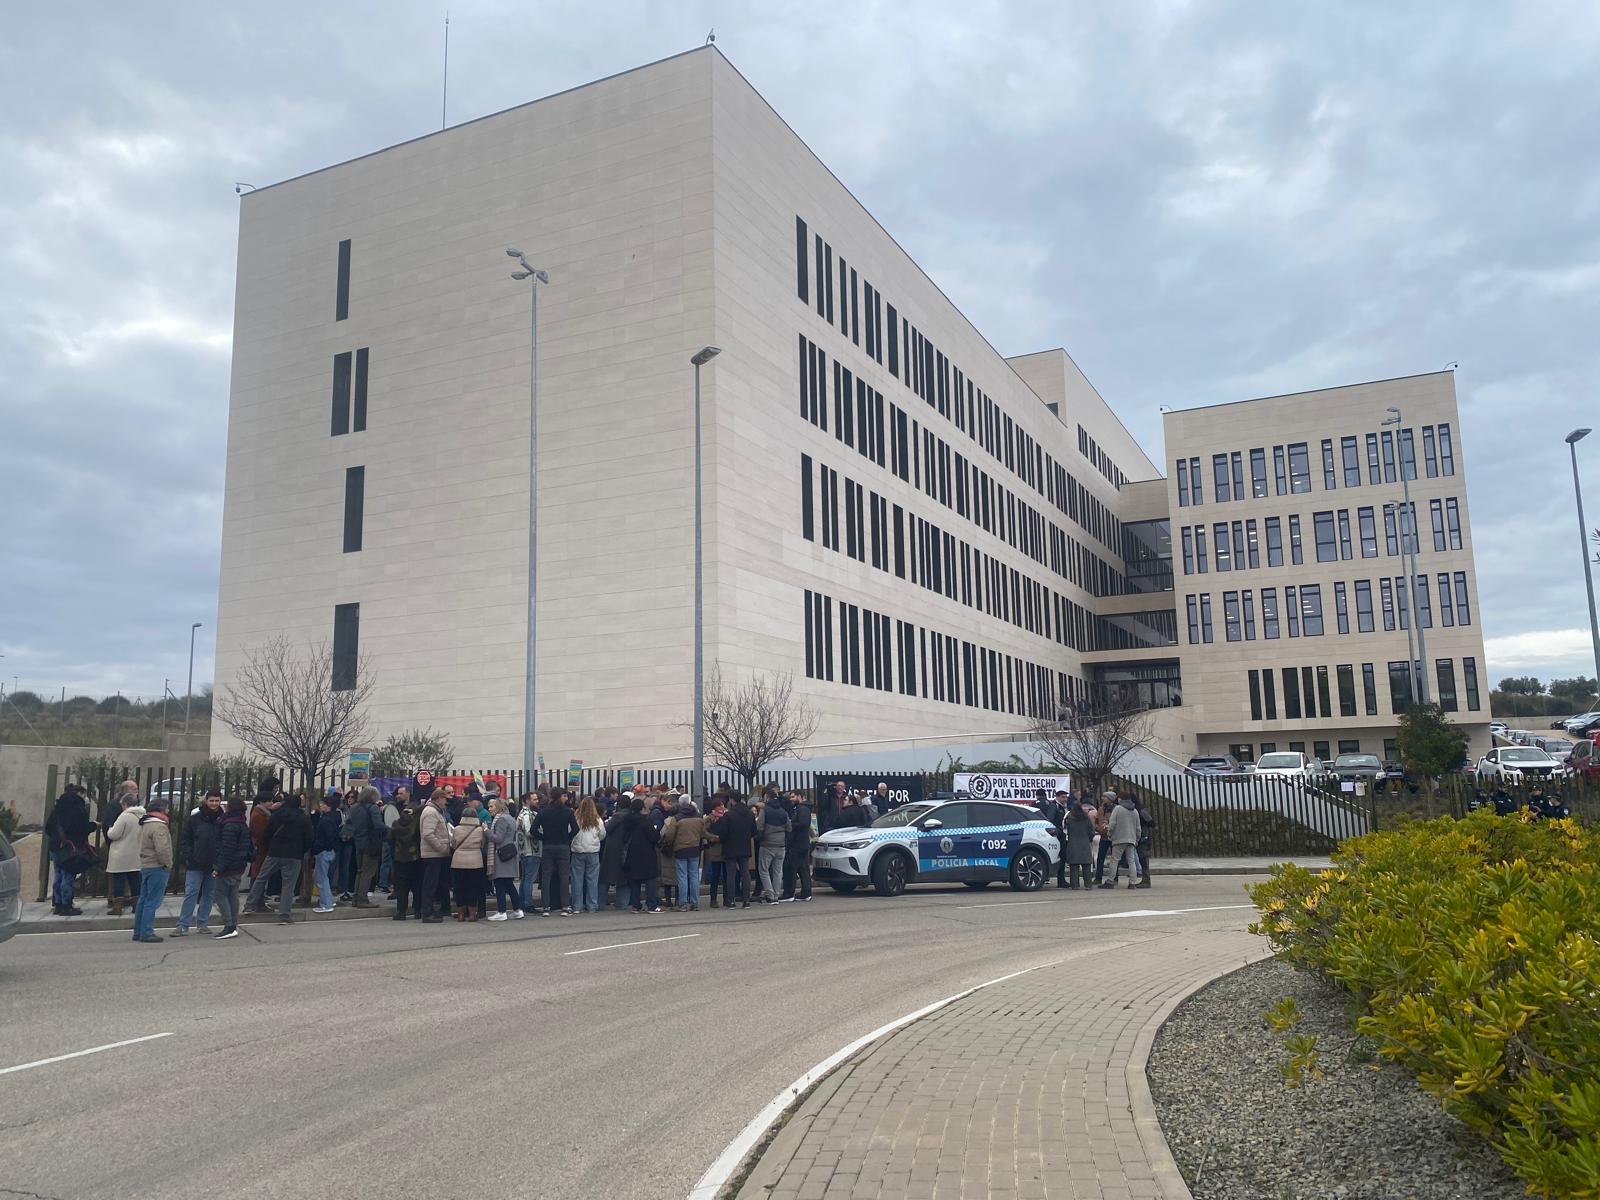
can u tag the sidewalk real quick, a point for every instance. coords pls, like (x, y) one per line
(1231, 866)
(1032, 1089)
(37, 917)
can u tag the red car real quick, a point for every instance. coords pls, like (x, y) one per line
(1585, 759)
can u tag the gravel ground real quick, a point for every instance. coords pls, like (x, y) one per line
(1363, 1132)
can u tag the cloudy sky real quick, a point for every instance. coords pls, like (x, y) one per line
(1202, 201)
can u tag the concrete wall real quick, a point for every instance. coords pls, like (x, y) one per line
(24, 770)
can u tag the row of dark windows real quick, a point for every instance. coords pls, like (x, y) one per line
(347, 617)
(1302, 611)
(1306, 693)
(889, 655)
(914, 360)
(1102, 461)
(883, 434)
(1390, 457)
(1334, 537)
(875, 531)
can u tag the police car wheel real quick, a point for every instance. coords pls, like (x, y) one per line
(1029, 870)
(891, 871)
(975, 884)
(844, 889)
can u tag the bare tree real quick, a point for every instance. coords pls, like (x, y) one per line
(1091, 742)
(750, 724)
(285, 706)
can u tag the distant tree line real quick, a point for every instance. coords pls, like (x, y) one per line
(1528, 696)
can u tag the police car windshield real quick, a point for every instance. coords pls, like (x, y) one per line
(904, 815)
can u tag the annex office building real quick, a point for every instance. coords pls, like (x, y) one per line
(932, 539)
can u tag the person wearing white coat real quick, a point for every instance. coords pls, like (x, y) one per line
(122, 862)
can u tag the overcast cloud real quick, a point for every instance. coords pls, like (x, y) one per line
(1202, 202)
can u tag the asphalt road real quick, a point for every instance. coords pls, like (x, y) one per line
(365, 1058)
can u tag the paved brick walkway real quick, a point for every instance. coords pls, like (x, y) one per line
(1029, 1090)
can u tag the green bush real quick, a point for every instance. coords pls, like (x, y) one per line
(1472, 948)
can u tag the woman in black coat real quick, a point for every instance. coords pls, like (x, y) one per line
(639, 865)
(611, 851)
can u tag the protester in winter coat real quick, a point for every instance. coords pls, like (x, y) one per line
(586, 844)
(1124, 828)
(1147, 826)
(269, 795)
(736, 830)
(435, 849)
(1078, 851)
(67, 831)
(234, 852)
(466, 865)
(325, 851)
(200, 833)
(797, 849)
(1102, 827)
(122, 862)
(155, 864)
(612, 848)
(714, 871)
(852, 814)
(367, 830)
(555, 828)
(681, 840)
(772, 828)
(530, 850)
(406, 871)
(503, 860)
(288, 836)
(639, 858)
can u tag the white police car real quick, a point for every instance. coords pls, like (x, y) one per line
(974, 842)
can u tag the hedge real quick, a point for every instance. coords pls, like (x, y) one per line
(1472, 949)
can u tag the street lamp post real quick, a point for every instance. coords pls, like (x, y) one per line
(188, 692)
(1410, 557)
(529, 272)
(1573, 438)
(696, 786)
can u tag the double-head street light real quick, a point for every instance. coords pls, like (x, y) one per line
(529, 271)
(1573, 438)
(697, 786)
(1408, 547)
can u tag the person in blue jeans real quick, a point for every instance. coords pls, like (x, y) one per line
(586, 844)
(528, 849)
(325, 853)
(155, 865)
(200, 834)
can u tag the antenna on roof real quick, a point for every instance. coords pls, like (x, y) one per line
(445, 98)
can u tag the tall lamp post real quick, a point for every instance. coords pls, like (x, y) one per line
(1411, 556)
(188, 692)
(1573, 438)
(697, 786)
(529, 764)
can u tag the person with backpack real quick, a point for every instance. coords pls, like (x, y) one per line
(772, 830)
(199, 839)
(234, 852)
(797, 852)
(67, 831)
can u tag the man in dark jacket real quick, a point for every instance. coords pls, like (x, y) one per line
(367, 830)
(555, 827)
(405, 841)
(288, 836)
(852, 814)
(325, 839)
(67, 829)
(797, 854)
(199, 843)
(737, 830)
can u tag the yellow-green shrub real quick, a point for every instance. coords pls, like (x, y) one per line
(1473, 950)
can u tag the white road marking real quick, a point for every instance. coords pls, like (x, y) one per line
(621, 945)
(1004, 904)
(728, 1161)
(45, 1062)
(1157, 912)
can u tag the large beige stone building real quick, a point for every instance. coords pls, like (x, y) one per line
(931, 538)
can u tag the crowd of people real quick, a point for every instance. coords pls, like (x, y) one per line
(1542, 804)
(438, 855)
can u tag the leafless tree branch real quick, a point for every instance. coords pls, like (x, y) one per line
(1091, 742)
(284, 706)
(751, 723)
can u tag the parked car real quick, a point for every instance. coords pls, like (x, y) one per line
(1519, 737)
(1214, 764)
(1569, 723)
(1361, 767)
(1584, 759)
(1513, 764)
(1586, 726)
(1556, 748)
(1395, 771)
(1283, 762)
(10, 890)
(1498, 729)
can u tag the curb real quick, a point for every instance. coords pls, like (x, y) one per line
(124, 924)
(1163, 1167)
